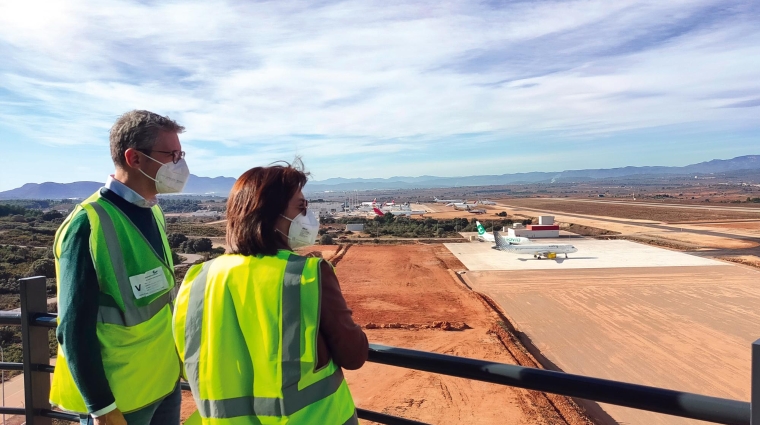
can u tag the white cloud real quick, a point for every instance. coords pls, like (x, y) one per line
(368, 75)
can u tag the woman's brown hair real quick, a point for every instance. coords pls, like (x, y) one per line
(255, 203)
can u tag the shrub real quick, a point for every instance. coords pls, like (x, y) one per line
(326, 240)
(51, 215)
(175, 239)
(176, 259)
(202, 245)
(43, 267)
(192, 246)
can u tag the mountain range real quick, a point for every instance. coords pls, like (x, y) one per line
(221, 186)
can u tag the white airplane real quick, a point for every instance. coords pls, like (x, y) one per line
(446, 201)
(485, 237)
(467, 207)
(486, 202)
(370, 204)
(407, 213)
(537, 251)
(458, 205)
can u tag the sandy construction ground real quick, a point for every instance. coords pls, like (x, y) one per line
(683, 327)
(592, 254)
(411, 285)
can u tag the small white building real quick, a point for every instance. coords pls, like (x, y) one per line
(546, 220)
(357, 227)
(206, 213)
(535, 231)
(326, 209)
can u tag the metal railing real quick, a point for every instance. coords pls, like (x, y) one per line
(35, 322)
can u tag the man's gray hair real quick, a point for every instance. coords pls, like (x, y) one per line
(138, 130)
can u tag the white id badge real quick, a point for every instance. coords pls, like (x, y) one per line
(148, 283)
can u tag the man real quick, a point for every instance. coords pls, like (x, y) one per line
(117, 363)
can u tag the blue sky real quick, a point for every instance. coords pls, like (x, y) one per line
(381, 88)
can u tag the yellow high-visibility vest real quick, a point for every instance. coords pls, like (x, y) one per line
(139, 356)
(246, 329)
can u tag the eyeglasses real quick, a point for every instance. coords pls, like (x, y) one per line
(176, 155)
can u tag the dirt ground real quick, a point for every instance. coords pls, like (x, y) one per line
(637, 229)
(412, 285)
(631, 210)
(408, 294)
(752, 227)
(684, 328)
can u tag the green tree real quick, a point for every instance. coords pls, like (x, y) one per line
(43, 267)
(176, 259)
(175, 239)
(202, 245)
(51, 215)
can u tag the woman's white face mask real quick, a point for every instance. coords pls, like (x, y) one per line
(303, 229)
(171, 177)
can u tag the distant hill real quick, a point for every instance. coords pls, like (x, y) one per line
(51, 190)
(749, 162)
(220, 186)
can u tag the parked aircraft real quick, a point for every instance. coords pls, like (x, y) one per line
(485, 237)
(464, 206)
(370, 204)
(407, 213)
(537, 251)
(486, 202)
(446, 201)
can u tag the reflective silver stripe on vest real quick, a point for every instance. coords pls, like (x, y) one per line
(133, 315)
(193, 329)
(293, 400)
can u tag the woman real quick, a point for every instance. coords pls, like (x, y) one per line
(264, 332)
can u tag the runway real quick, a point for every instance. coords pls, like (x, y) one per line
(592, 254)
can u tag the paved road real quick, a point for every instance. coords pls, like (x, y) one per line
(635, 223)
(191, 258)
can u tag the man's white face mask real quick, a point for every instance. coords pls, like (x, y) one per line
(171, 177)
(303, 230)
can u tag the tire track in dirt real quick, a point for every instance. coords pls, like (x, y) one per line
(555, 409)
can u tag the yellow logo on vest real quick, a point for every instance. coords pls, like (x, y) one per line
(148, 283)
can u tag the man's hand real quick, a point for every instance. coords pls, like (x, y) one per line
(114, 417)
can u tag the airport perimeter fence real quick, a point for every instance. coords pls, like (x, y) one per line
(35, 322)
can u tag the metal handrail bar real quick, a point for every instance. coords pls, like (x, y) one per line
(382, 418)
(640, 397)
(47, 320)
(11, 366)
(10, 318)
(19, 411)
(20, 366)
(676, 403)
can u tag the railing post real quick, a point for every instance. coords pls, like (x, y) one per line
(34, 341)
(755, 397)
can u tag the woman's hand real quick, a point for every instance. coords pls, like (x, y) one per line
(114, 417)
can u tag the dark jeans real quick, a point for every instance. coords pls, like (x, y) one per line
(162, 412)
